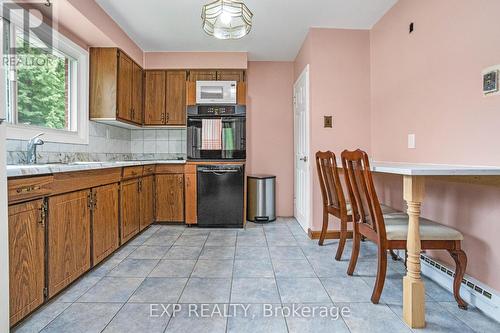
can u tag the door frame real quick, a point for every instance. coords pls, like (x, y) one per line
(4, 227)
(308, 214)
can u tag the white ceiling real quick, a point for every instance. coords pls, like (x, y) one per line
(279, 26)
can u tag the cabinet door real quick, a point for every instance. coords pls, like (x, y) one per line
(154, 99)
(130, 209)
(231, 75)
(68, 239)
(170, 198)
(105, 238)
(190, 191)
(176, 97)
(125, 69)
(147, 201)
(202, 75)
(137, 112)
(26, 258)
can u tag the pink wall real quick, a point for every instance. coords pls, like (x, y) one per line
(429, 83)
(339, 64)
(159, 60)
(270, 127)
(84, 22)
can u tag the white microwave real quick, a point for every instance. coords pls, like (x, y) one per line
(215, 92)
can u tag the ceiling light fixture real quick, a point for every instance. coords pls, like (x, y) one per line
(226, 19)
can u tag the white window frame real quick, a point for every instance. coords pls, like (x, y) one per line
(79, 94)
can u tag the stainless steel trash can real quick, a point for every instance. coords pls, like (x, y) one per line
(261, 198)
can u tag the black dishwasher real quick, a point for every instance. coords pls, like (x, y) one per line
(220, 195)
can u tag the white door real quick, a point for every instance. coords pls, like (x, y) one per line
(302, 193)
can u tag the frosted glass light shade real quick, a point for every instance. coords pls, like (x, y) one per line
(226, 19)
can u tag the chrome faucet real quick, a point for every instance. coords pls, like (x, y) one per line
(32, 143)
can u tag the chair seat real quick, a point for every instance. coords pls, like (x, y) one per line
(396, 228)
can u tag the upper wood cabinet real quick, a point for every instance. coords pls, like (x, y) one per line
(217, 75)
(202, 75)
(169, 198)
(125, 75)
(115, 87)
(137, 94)
(130, 206)
(231, 75)
(105, 222)
(26, 258)
(176, 97)
(165, 98)
(154, 98)
(68, 239)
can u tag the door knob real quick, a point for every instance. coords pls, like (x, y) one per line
(303, 158)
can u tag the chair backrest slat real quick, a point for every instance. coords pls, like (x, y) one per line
(329, 180)
(361, 189)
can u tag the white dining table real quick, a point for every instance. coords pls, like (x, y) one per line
(414, 178)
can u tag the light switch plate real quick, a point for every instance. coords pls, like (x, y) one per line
(328, 122)
(411, 141)
(490, 81)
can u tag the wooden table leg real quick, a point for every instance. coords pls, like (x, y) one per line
(413, 286)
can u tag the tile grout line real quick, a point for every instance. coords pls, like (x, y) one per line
(275, 278)
(131, 294)
(320, 281)
(190, 274)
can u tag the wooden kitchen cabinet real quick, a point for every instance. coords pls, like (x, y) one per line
(154, 98)
(202, 75)
(130, 207)
(190, 202)
(137, 94)
(231, 75)
(169, 204)
(105, 222)
(26, 258)
(68, 239)
(176, 97)
(115, 87)
(147, 201)
(125, 74)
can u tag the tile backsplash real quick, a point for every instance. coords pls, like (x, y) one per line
(108, 143)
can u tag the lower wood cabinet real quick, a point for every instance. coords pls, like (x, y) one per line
(105, 222)
(26, 260)
(147, 201)
(169, 203)
(191, 197)
(68, 239)
(130, 207)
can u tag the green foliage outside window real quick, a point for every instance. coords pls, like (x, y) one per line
(41, 88)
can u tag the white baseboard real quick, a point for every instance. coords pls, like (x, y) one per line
(473, 292)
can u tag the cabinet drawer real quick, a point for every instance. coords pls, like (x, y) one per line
(23, 189)
(132, 172)
(170, 168)
(148, 170)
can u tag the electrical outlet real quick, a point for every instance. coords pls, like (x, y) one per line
(411, 141)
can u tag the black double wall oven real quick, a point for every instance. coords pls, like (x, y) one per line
(220, 187)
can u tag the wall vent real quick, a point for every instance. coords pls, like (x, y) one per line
(473, 292)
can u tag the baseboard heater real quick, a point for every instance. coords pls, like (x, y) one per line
(473, 292)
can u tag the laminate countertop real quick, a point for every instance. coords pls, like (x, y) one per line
(42, 169)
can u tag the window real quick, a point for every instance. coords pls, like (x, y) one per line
(46, 85)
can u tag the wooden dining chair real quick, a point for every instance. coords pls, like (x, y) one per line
(390, 233)
(334, 202)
